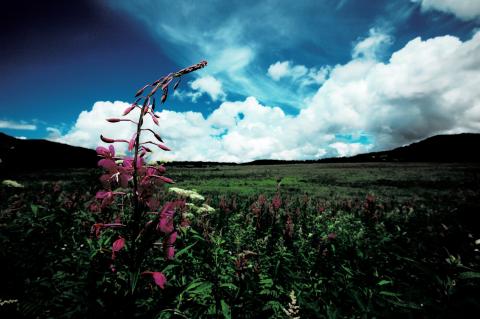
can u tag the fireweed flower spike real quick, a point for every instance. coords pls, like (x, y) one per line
(141, 200)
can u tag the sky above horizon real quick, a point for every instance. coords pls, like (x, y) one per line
(285, 80)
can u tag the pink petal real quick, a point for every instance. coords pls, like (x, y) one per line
(124, 178)
(101, 194)
(102, 151)
(160, 279)
(118, 244)
(107, 164)
(112, 150)
(166, 179)
(170, 252)
(172, 238)
(131, 144)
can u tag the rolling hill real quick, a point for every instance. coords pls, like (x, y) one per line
(18, 155)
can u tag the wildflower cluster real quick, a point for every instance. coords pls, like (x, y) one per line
(131, 182)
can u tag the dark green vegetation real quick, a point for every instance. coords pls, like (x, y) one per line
(350, 240)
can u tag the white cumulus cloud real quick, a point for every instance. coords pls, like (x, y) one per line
(370, 47)
(427, 87)
(300, 73)
(209, 85)
(463, 9)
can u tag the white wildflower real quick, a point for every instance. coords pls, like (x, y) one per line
(293, 309)
(10, 183)
(7, 302)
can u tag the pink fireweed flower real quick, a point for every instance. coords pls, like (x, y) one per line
(108, 160)
(158, 277)
(165, 225)
(119, 174)
(168, 247)
(106, 152)
(172, 238)
(276, 202)
(169, 252)
(153, 203)
(128, 163)
(117, 246)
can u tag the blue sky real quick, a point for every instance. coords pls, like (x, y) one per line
(289, 80)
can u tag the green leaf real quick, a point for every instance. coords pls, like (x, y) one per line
(184, 250)
(168, 268)
(229, 285)
(34, 209)
(384, 282)
(469, 275)
(225, 309)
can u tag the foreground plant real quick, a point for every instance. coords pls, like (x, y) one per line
(132, 191)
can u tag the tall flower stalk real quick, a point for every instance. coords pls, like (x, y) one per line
(139, 182)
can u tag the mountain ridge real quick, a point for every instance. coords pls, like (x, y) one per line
(16, 154)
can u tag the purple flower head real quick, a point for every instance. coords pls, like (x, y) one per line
(117, 246)
(276, 202)
(165, 225)
(158, 277)
(106, 152)
(170, 252)
(172, 238)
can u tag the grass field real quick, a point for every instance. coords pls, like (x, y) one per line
(401, 180)
(345, 240)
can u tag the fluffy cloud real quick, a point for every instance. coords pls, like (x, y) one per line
(463, 9)
(299, 73)
(279, 70)
(370, 47)
(235, 132)
(349, 149)
(428, 87)
(13, 125)
(209, 85)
